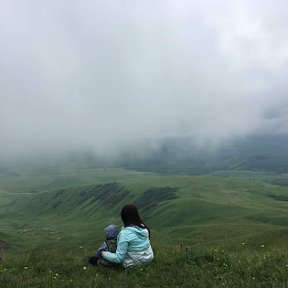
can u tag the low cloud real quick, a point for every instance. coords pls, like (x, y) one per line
(98, 74)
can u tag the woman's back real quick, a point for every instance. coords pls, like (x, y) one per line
(139, 249)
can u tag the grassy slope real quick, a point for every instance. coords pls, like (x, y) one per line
(204, 203)
(211, 216)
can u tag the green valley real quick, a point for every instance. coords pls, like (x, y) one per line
(206, 230)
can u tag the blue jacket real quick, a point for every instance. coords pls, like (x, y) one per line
(133, 247)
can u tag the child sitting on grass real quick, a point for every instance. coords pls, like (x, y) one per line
(110, 244)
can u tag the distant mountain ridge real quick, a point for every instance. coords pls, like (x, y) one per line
(180, 155)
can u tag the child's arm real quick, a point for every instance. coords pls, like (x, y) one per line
(103, 247)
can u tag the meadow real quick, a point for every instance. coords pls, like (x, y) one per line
(207, 231)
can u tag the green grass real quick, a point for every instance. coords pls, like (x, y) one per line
(233, 231)
(197, 267)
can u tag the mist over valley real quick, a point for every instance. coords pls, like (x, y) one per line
(171, 155)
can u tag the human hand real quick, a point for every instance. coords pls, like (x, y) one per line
(99, 253)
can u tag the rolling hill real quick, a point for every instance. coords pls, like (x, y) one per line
(170, 203)
(204, 223)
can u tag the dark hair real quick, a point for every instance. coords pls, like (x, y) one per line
(130, 217)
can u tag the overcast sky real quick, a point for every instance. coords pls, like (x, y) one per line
(96, 73)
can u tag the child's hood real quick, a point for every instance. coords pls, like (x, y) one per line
(111, 232)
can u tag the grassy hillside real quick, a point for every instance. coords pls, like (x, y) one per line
(207, 231)
(170, 203)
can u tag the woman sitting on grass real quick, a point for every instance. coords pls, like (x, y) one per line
(133, 242)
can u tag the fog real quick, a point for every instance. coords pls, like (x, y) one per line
(101, 74)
